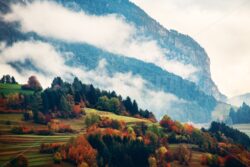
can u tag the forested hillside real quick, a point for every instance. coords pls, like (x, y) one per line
(80, 125)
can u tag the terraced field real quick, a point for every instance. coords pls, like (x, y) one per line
(28, 145)
(14, 145)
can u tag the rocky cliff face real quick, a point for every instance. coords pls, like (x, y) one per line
(179, 47)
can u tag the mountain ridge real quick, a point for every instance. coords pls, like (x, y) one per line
(200, 103)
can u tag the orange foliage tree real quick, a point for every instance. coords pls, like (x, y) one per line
(79, 151)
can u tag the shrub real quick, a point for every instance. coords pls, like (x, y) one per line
(43, 131)
(49, 148)
(64, 128)
(22, 130)
(169, 157)
(84, 164)
(110, 123)
(8, 122)
(152, 138)
(92, 119)
(40, 118)
(152, 161)
(212, 160)
(166, 122)
(28, 115)
(19, 161)
(183, 154)
(57, 158)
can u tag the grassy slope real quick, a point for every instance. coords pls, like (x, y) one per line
(13, 88)
(114, 116)
(12, 145)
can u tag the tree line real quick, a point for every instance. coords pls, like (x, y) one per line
(7, 79)
(241, 115)
(60, 99)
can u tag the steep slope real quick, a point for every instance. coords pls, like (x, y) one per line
(180, 47)
(198, 96)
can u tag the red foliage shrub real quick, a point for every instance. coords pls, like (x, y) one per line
(110, 123)
(43, 131)
(188, 129)
(48, 117)
(22, 130)
(166, 123)
(203, 160)
(77, 109)
(64, 128)
(49, 148)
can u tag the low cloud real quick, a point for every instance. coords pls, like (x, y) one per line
(126, 84)
(110, 32)
(221, 27)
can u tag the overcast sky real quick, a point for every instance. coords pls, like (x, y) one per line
(221, 27)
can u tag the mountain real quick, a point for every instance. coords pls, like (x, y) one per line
(198, 91)
(181, 47)
(239, 100)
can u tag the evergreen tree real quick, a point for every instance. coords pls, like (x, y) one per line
(2, 80)
(134, 108)
(77, 85)
(46, 103)
(13, 80)
(8, 79)
(128, 104)
(64, 105)
(92, 96)
(77, 89)
(57, 82)
(36, 105)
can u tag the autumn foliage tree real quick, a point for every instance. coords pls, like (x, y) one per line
(79, 151)
(33, 84)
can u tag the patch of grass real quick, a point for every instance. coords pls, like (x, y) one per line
(7, 89)
(11, 117)
(76, 124)
(8, 121)
(114, 116)
(10, 86)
